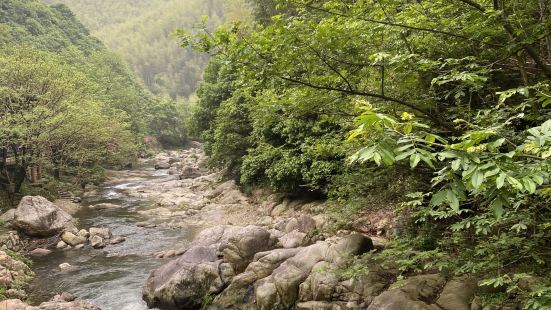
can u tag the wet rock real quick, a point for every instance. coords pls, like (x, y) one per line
(67, 267)
(83, 233)
(38, 217)
(80, 246)
(97, 242)
(117, 240)
(40, 252)
(72, 239)
(104, 206)
(61, 244)
(162, 165)
(104, 233)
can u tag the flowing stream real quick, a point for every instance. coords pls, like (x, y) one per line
(111, 278)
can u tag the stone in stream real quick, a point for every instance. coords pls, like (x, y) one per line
(36, 216)
(162, 165)
(72, 239)
(61, 244)
(40, 252)
(67, 267)
(97, 242)
(104, 233)
(83, 233)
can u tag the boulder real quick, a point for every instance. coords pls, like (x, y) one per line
(61, 244)
(162, 165)
(104, 233)
(242, 246)
(457, 295)
(72, 239)
(185, 281)
(262, 266)
(305, 223)
(83, 233)
(38, 217)
(410, 295)
(294, 239)
(97, 242)
(190, 173)
(280, 289)
(350, 245)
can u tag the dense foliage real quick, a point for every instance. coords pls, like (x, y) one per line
(457, 91)
(68, 104)
(141, 31)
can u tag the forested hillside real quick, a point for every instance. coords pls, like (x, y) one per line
(437, 111)
(68, 104)
(140, 31)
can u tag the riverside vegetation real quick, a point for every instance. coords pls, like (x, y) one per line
(425, 122)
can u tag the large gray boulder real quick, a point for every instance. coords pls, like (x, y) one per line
(184, 282)
(263, 265)
(205, 268)
(411, 294)
(38, 217)
(280, 290)
(239, 250)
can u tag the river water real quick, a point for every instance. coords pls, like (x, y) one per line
(111, 278)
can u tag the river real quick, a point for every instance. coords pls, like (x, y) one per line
(112, 278)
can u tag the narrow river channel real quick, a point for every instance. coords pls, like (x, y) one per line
(112, 278)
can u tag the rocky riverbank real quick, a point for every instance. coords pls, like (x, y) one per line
(269, 251)
(258, 251)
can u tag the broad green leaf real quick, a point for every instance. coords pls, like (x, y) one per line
(414, 160)
(477, 179)
(452, 200)
(500, 181)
